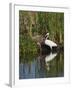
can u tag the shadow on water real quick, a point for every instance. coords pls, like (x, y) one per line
(42, 66)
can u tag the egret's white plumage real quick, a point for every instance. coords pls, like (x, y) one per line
(50, 43)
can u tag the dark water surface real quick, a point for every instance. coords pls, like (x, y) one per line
(42, 66)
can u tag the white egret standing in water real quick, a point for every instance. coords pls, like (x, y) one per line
(49, 42)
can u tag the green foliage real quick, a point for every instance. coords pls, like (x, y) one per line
(39, 23)
(26, 46)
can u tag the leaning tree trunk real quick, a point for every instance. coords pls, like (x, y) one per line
(31, 22)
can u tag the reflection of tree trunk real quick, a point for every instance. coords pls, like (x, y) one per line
(61, 63)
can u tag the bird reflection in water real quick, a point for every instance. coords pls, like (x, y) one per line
(43, 66)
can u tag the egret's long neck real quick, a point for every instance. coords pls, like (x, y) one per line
(47, 37)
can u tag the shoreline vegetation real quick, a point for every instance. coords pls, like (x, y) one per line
(34, 25)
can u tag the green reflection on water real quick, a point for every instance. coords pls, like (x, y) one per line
(35, 66)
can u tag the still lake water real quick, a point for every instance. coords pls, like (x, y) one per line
(42, 66)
